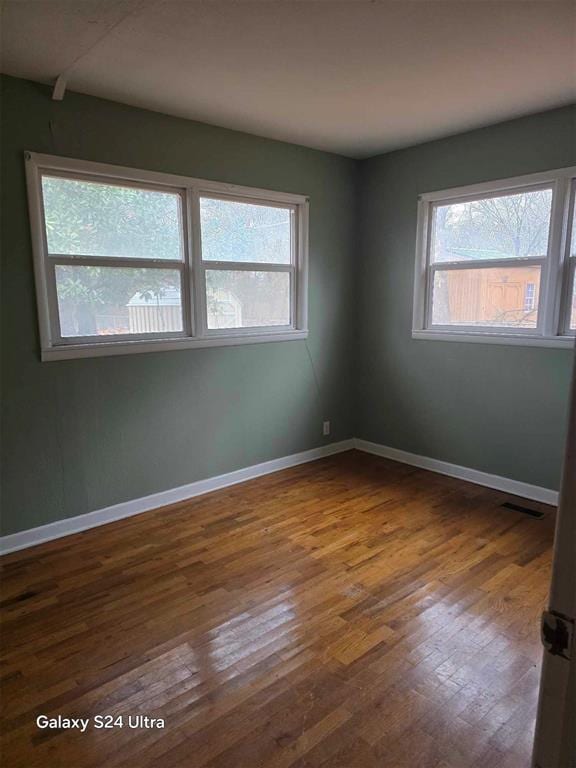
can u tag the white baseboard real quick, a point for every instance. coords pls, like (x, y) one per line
(33, 536)
(515, 487)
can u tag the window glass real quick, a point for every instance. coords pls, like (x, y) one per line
(243, 299)
(245, 232)
(504, 227)
(85, 218)
(107, 301)
(501, 297)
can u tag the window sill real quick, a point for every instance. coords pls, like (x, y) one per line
(559, 342)
(102, 349)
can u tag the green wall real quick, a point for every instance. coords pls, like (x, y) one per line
(80, 435)
(500, 409)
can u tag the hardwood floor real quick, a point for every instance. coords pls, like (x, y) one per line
(352, 612)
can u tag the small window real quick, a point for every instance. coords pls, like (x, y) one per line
(489, 260)
(530, 297)
(132, 261)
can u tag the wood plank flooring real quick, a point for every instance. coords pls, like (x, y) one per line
(351, 612)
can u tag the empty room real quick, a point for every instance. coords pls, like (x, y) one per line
(288, 437)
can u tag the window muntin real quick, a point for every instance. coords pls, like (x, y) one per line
(130, 261)
(489, 261)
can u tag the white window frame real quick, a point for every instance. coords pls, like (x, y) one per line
(570, 264)
(195, 333)
(553, 301)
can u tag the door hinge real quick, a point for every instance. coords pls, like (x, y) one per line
(557, 632)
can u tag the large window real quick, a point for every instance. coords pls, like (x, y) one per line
(495, 262)
(130, 261)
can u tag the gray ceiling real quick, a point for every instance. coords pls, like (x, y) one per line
(352, 77)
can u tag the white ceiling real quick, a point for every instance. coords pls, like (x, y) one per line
(353, 77)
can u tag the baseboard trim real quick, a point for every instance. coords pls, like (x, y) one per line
(33, 536)
(514, 487)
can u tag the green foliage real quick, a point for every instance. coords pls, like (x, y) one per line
(112, 285)
(93, 219)
(90, 219)
(104, 220)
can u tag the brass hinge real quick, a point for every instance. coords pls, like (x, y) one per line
(557, 632)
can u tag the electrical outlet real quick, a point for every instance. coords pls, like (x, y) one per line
(326, 428)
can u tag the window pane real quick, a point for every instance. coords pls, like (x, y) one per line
(103, 301)
(233, 231)
(573, 304)
(505, 227)
(239, 299)
(84, 218)
(505, 297)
